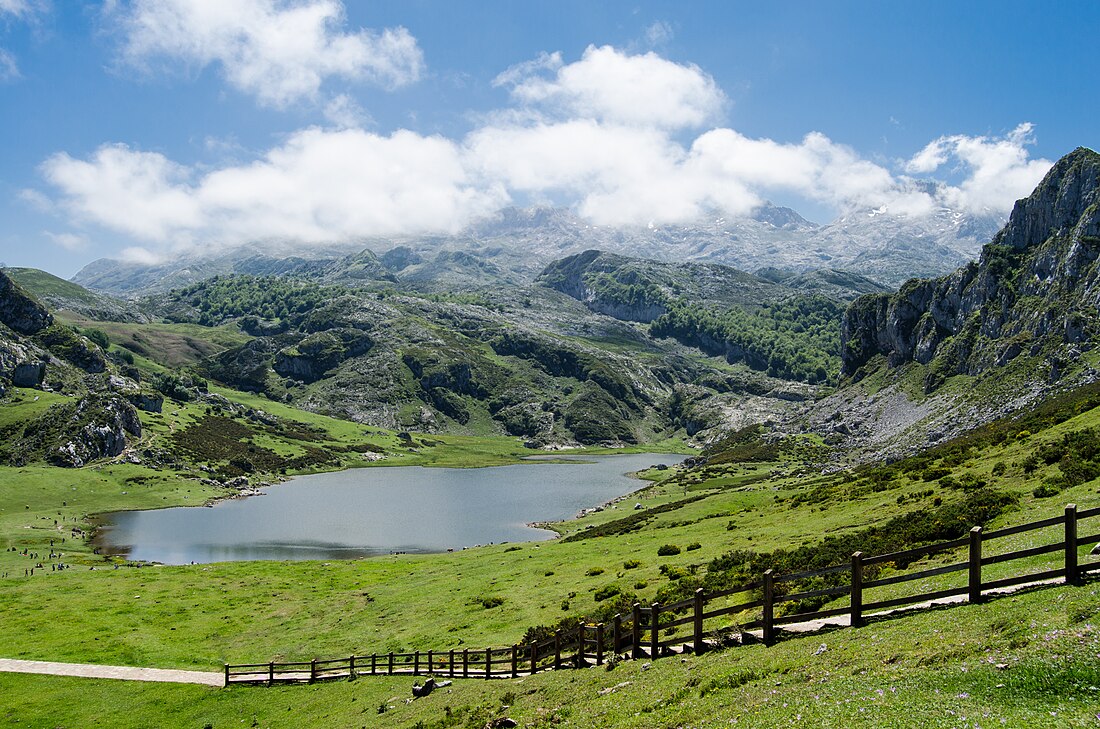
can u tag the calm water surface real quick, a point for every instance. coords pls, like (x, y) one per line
(371, 511)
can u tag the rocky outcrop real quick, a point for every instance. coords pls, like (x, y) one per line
(98, 428)
(605, 284)
(19, 310)
(28, 374)
(317, 353)
(1036, 283)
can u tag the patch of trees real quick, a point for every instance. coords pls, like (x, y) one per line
(274, 298)
(795, 339)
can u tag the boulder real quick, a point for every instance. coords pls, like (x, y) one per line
(28, 374)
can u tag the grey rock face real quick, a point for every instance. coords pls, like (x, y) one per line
(99, 429)
(29, 374)
(19, 311)
(1038, 278)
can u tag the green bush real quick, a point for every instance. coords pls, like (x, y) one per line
(693, 546)
(667, 550)
(632, 564)
(99, 337)
(607, 591)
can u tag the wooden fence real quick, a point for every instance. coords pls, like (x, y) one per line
(655, 630)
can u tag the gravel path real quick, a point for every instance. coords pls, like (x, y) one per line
(125, 673)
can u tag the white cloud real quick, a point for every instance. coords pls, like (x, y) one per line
(319, 186)
(9, 69)
(612, 86)
(141, 194)
(278, 50)
(659, 34)
(998, 170)
(68, 241)
(18, 8)
(562, 141)
(345, 112)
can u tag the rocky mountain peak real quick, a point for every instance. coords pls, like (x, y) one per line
(1033, 292)
(1058, 204)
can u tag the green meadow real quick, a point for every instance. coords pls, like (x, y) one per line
(1021, 658)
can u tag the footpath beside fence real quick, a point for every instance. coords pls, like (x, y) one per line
(655, 630)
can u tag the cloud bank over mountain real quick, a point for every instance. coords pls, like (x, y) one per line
(627, 139)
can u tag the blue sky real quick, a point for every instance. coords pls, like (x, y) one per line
(143, 129)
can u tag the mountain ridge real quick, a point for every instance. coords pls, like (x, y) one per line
(515, 245)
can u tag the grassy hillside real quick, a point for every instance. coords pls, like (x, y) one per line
(759, 501)
(1024, 661)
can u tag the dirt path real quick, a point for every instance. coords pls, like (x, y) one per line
(124, 673)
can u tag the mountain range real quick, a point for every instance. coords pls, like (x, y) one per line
(515, 245)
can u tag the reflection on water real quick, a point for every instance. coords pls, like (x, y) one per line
(371, 511)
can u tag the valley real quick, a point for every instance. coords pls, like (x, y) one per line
(820, 414)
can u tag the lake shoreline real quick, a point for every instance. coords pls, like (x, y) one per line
(359, 512)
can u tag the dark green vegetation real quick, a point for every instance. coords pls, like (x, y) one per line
(771, 327)
(793, 339)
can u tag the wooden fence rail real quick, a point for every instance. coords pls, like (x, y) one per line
(650, 631)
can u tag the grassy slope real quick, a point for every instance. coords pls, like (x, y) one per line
(1024, 661)
(202, 615)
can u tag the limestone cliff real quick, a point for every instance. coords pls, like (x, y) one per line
(1035, 290)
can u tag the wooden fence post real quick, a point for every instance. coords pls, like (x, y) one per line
(636, 633)
(416, 663)
(654, 627)
(373, 663)
(431, 665)
(312, 670)
(226, 674)
(534, 657)
(351, 666)
(515, 661)
(390, 666)
(599, 644)
(616, 633)
(557, 650)
(451, 663)
(768, 629)
(1071, 544)
(465, 662)
(488, 663)
(697, 625)
(856, 619)
(271, 673)
(975, 592)
(579, 661)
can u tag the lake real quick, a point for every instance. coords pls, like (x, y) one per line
(371, 511)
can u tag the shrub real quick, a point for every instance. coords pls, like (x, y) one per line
(1045, 490)
(667, 550)
(693, 546)
(607, 591)
(631, 564)
(99, 337)
(593, 571)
